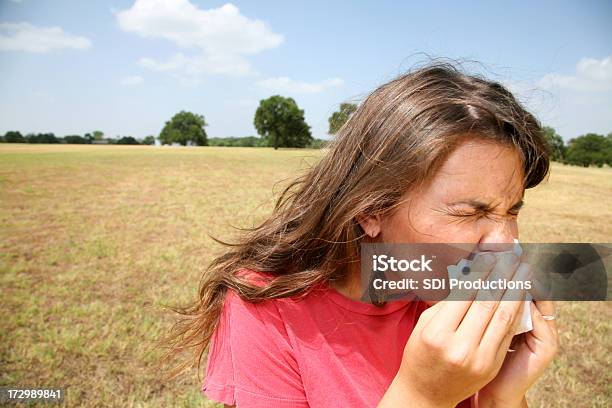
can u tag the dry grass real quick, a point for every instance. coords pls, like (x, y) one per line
(95, 239)
(574, 205)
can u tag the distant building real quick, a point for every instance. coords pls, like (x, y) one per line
(103, 141)
(189, 143)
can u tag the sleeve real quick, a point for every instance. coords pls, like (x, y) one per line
(251, 361)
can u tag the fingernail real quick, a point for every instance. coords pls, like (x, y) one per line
(488, 259)
(510, 258)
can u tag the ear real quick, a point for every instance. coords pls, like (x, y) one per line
(370, 224)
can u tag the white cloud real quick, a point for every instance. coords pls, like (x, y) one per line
(218, 40)
(27, 37)
(287, 85)
(573, 104)
(132, 80)
(199, 64)
(591, 75)
(177, 61)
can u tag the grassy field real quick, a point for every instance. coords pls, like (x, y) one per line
(95, 239)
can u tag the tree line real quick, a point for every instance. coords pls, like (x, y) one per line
(585, 150)
(94, 137)
(281, 123)
(278, 120)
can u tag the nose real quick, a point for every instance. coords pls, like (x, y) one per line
(499, 235)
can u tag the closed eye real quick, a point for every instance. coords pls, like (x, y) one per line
(516, 208)
(464, 216)
(479, 210)
(458, 213)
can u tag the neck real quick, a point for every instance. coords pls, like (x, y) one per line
(350, 286)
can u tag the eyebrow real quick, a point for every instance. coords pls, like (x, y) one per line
(481, 206)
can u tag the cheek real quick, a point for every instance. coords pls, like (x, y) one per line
(468, 232)
(403, 228)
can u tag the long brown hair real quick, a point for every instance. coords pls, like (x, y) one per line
(394, 141)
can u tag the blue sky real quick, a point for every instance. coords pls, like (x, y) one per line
(125, 67)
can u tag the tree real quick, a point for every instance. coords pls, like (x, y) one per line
(48, 138)
(127, 140)
(185, 127)
(41, 138)
(318, 144)
(248, 141)
(97, 135)
(557, 147)
(14, 136)
(75, 139)
(339, 118)
(281, 123)
(589, 149)
(149, 140)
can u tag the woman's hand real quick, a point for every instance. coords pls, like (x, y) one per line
(523, 367)
(458, 347)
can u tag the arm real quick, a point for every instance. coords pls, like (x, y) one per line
(397, 394)
(484, 402)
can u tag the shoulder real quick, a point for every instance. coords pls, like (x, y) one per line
(251, 338)
(241, 316)
(245, 315)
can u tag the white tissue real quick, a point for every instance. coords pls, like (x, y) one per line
(525, 324)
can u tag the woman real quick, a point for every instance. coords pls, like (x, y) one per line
(433, 156)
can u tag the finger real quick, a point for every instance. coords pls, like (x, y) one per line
(476, 320)
(505, 269)
(428, 314)
(502, 351)
(547, 307)
(540, 325)
(480, 268)
(481, 311)
(510, 341)
(504, 319)
(452, 313)
(542, 340)
(540, 287)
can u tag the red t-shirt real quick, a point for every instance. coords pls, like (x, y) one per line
(322, 350)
